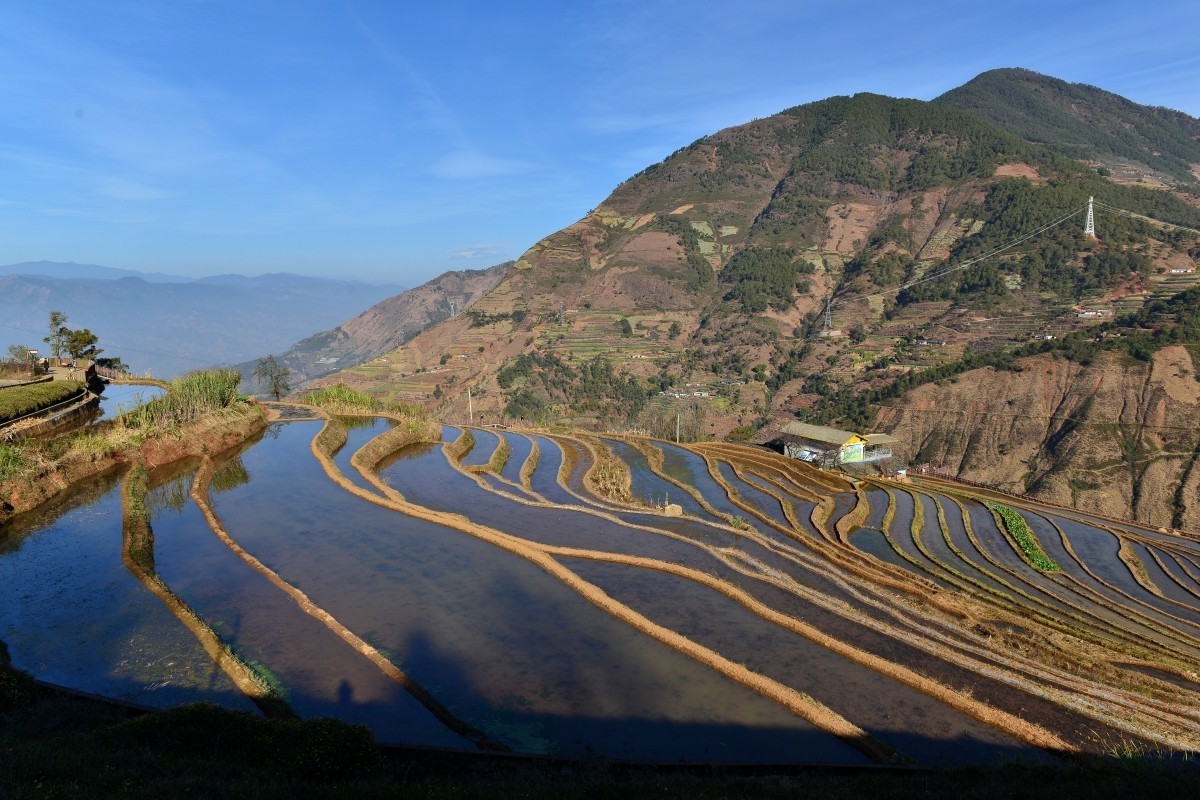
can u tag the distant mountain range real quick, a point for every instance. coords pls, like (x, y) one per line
(166, 324)
(700, 289)
(385, 325)
(69, 269)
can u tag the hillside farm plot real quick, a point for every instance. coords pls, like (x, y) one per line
(538, 593)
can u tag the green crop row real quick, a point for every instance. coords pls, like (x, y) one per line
(17, 401)
(1014, 523)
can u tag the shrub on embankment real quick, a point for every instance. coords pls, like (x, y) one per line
(341, 399)
(188, 398)
(412, 422)
(17, 401)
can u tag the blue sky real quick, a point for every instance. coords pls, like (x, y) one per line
(391, 141)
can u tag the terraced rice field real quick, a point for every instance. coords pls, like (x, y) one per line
(621, 597)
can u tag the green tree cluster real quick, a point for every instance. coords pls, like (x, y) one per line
(78, 344)
(699, 271)
(534, 382)
(764, 277)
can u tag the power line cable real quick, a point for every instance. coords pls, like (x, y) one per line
(1144, 218)
(970, 262)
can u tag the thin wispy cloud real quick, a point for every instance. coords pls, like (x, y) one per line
(466, 165)
(375, 133)
(475, 252)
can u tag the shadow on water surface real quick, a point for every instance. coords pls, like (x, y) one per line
(514, 719)
(496, 640)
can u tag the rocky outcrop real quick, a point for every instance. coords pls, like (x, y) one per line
(1117, 437)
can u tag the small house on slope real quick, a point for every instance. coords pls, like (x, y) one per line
(832, 446)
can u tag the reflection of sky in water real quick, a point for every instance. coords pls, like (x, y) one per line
(429, 480)
(903, 717)
(544, 479)
(360, 430)
(72, 614)
(649, 487)
(687, 467)
(118, 398)
(507, 647)
(321, 675)
(500, 643)
(519, 448)
(481, 453)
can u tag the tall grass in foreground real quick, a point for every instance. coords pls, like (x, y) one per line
(189, 397)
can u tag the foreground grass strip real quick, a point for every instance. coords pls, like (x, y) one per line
(1014, 525)
(443, 714)
(137, 553)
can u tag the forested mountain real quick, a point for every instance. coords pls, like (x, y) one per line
(1084, 122)
(929, 234)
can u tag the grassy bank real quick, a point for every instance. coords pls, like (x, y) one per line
(201, 412)
(341, 399)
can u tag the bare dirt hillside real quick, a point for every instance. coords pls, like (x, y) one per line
(1118, 437)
